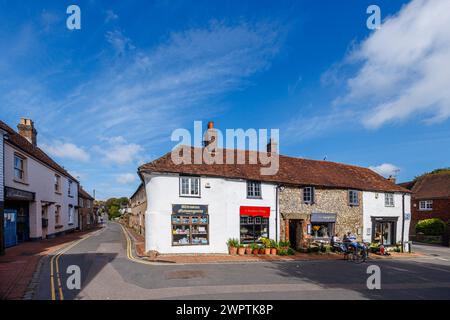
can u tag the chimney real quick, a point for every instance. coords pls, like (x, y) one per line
(392, 179)
(272, 146)
(210, 136)
(27, 130)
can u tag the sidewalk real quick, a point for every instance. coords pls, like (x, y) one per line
(19, 263)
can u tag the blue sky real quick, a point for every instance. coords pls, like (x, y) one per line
(106, 98)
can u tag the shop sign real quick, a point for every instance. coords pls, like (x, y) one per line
(323, 217)
(16, 194)
(194, 209)
(255, 211)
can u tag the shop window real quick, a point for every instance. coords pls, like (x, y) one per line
(322, 229)
(308, 195)
(353, 198)
(388, 199)
(190, 230)
(426, 205)
(384, 232)
(252, 229)
(190, 186)
(253, 189)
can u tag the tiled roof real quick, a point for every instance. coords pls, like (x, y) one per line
(83, 194)
(23, 144)
(292, 171)
(432, 186)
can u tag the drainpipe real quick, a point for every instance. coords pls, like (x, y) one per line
(276, 212)
(403, 221)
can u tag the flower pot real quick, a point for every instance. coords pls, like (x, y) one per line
(248, 250)
(232, 250)
(267, 251)
(241, 251)
(273, 251)
(255, 251)
(262, 251)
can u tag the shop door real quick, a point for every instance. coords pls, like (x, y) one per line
(384, 233)
(10, 227)
(295, 232)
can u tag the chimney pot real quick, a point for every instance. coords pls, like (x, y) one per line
(210, 125)
(27, 130)
(392, 179)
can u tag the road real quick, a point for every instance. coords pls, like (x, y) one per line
(107, 273)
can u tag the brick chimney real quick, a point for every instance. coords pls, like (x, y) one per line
(27, 130)
(210, 136)
(392, 179)
(272, 146)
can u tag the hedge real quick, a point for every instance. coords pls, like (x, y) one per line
(431, 227)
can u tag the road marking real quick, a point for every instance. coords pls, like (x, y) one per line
(55, 260)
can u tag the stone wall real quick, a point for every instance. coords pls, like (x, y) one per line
(348, 218)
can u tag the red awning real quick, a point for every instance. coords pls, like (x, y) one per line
(255, 211)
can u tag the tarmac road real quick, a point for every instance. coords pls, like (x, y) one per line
(107, 273)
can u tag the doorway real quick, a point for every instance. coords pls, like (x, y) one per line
(295, 232)
(384, 231)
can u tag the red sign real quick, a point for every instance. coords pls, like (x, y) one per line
(255, 211)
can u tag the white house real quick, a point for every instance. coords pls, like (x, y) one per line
(2, 191)
(386, 217)
(42, 195)
(199, 213)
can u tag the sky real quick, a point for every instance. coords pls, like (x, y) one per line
(106, 98)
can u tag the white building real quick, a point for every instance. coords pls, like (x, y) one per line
(43, 195)
(386, 216)
(2, 197)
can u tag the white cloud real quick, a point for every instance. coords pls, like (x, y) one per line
(110, 15)
(119, 42)
(117, 150)
(386, 169)
(66, 150)
(126, 178)
(405, 67)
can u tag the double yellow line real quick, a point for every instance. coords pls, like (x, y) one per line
(54, 266)
(130, 255)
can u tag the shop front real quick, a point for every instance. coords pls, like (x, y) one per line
(18, 202)
(322, 226)
(254, 224)
(190, 225)
(384, 230)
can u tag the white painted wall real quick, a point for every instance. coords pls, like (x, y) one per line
(1, 167)
(224, 198)
(375, 207)
(40, 180)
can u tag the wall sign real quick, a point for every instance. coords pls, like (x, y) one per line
(16, 194)
(323, 217)
(407, 216)
(198, 209)
(254, 211)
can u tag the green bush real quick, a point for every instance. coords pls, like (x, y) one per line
(431, 227)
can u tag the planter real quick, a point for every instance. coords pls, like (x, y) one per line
(273, 251)
(255, 251)
(267, 251)
(232, 250)
(262, 251)
(241, 251)
(248, 250)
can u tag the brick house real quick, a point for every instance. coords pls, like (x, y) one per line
(430, 198)
(86, 212)
(138, 204)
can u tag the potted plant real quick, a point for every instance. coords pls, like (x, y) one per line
(232, 246)
(284, 245)
(273, 247)
(248, 249)
(241, 250)
(255, 248)
(266, 244)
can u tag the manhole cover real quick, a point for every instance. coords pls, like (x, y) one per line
(185, 274)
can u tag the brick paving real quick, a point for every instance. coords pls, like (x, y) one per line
(19, 263)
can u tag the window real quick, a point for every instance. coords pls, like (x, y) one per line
(308, 195)
(57, 215)
(81, 202)
(322, 229)
(253, 189)
(190, 186)
(70, 215)
(88, 204)
(19, 167)
(57, 183)
(426, 205)
(69, 190)
(389, 200)
(253, 229)
(353, 199)
(190, 230)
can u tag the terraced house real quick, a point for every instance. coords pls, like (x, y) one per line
(138, 204)
(195, 208)
(41, 197)
(86, 214)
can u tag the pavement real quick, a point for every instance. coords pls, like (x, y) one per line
(18, 265)
(109, 272)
